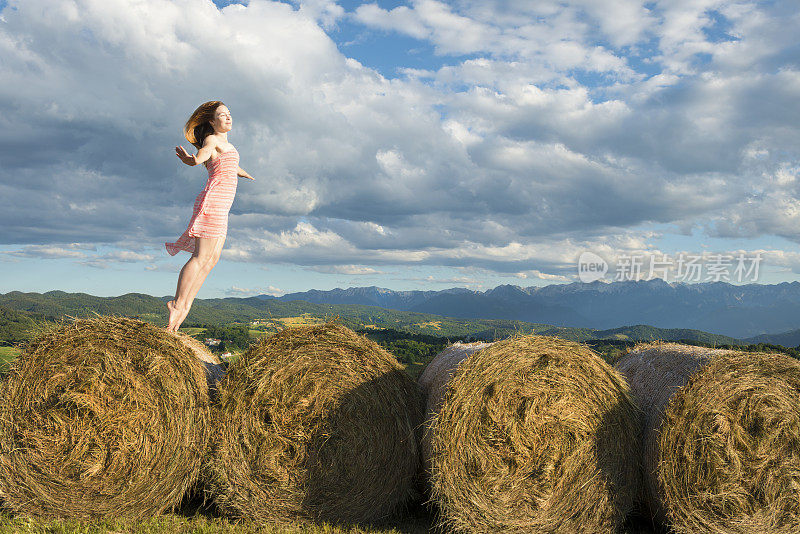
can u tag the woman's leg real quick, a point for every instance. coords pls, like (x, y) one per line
(203, 251)
(200, 278)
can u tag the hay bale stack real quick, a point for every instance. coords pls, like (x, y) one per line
(721, 445)
(105, 417)
(534, 434)
(315, 423)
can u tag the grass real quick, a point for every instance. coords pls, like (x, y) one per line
(9, 353)
(173, 523)
(301, 320)
(191, 330)
(435, 325)
(193, 518)
(205, 521)
(257, 334)
(6, 355)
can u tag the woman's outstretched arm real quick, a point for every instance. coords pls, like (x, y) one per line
(202, 155)
(243, 173)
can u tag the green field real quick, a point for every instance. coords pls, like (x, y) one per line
(192, 331)
(6, 355)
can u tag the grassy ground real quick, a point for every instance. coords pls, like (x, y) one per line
(257, 334)
(176, 523)
(191, 330)
(300, 320)
(6, 355)
(205, 521)
(194, 517)
(9, 353)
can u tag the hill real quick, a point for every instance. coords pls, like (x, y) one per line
(57, 305)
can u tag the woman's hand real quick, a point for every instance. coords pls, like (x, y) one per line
(185, 157)
(242, 173)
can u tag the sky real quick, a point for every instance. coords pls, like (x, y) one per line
(410, 145)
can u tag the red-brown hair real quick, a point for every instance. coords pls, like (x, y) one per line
(198, 126)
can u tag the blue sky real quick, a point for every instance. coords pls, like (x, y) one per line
(409, 145)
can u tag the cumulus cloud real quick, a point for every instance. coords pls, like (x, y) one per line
(552, 128)
(111, 259)
(327, 12)
(353, 270)
(236, 291)
(83, 253)
(72, 250)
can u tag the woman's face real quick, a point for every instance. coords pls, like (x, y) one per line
(222, 122)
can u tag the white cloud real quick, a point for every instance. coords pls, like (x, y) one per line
(460, 280)
(352, 270)
(535, 273)
(401, 19)
(74, 250)
(164, 267)
(112, 259)
(327, 12)
(236, 291)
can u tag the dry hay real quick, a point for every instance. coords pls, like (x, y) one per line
(315, 423)
(721, 445)
(433, 381)
(213, 365)
(104, 417)
(537, 435)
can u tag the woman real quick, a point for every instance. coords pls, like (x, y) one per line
(207, 129)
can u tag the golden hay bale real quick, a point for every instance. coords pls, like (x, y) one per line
(99, 418)
(315, 423)
(535, 434)
(721, 445)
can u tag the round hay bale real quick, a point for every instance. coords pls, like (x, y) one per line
(534, 434)
(433, 381)
(721, 445)
(315, 423)
(105, 417)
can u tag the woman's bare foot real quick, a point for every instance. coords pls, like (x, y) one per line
(181, 317)
(174, 314)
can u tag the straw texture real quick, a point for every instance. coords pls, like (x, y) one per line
(721, 443)
(213, 366)
(534, 434)
(315, 423)
(434, 379)
(102, 417)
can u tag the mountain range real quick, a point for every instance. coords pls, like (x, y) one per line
(739, 311)
(718, 313)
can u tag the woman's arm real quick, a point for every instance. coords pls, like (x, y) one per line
(243, 173)
(202, 155)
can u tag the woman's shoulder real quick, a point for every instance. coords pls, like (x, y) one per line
(211, 141)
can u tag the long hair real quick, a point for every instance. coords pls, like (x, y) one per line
(197, 128)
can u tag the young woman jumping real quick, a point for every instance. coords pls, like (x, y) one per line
(207, 129)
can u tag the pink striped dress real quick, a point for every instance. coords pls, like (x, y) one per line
(211, 207)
